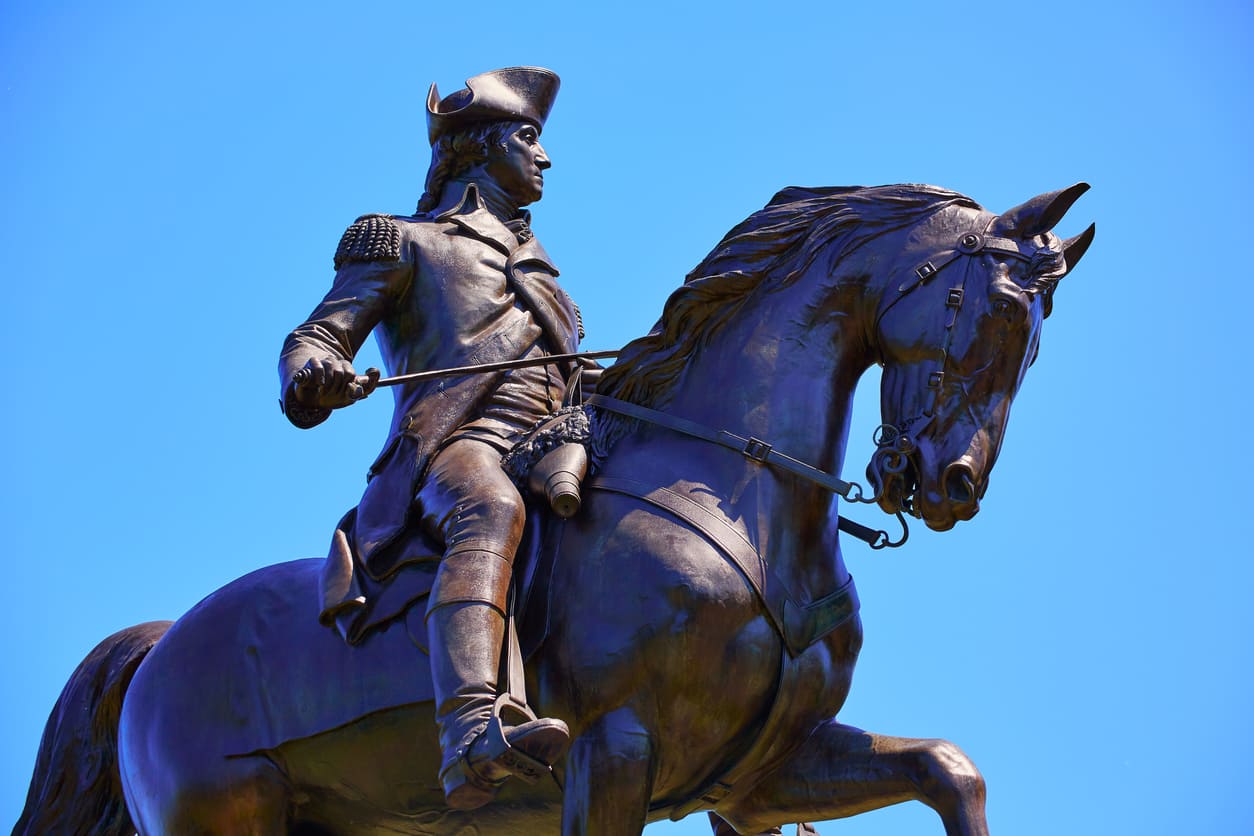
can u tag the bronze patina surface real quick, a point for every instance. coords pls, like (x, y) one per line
(690, 633)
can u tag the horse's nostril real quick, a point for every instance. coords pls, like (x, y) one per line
(960, 486)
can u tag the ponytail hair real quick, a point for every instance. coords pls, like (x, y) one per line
(457, 152)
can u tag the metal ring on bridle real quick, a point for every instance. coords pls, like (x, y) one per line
(892, 460)
(884, 543)
(884, 435)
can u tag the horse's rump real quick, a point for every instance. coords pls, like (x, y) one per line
(266, 671)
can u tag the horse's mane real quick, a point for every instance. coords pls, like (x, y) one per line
(766, 252)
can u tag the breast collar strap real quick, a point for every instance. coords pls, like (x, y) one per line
(799, 624)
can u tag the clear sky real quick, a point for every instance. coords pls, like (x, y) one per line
(175, 179)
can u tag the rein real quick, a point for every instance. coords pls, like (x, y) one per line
(755, 449)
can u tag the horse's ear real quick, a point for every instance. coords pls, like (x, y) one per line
(1040, 214)
(1073, 249)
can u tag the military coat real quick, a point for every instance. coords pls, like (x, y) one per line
(452, 288)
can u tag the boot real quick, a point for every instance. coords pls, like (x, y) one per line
(465, 631)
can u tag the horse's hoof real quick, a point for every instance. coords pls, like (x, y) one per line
(524, 751)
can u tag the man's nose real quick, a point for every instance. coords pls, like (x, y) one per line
(542, 158)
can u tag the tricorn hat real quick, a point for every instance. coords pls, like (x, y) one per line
(522, 94)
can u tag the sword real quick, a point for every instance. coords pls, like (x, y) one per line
(480, 368)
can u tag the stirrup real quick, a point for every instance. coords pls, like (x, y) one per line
(505, 701)
(489, 760)
(499, 752)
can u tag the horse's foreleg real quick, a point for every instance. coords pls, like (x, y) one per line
(842, 771)
(609, 778)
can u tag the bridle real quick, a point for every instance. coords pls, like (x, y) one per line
(894, 446)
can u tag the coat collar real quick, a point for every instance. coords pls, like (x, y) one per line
(473, 217)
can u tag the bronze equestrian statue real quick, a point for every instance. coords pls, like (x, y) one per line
(693, 628)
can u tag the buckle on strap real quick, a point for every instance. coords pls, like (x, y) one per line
(756, 449)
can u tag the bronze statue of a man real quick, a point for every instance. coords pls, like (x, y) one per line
(461, 282)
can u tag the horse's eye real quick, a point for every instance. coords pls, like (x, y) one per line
(1001, 307)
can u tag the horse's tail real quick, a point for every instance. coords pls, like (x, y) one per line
(77, 787)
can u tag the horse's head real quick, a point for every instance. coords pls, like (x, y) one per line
(956, 330)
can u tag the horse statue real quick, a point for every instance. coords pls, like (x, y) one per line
(700, 628)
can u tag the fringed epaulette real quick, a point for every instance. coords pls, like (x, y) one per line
(370, 238)
(578, 317)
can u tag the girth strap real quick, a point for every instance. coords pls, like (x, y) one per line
(751, 448)
(799, 625)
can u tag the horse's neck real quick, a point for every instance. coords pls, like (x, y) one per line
(784, 374)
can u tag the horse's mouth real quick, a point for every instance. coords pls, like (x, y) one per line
(894, 477)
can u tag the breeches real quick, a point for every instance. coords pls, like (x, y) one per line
(468, 503)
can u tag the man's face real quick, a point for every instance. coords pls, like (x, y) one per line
(518, 166)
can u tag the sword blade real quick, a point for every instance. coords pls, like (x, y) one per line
(504, 365)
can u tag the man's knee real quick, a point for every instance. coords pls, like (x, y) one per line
(492, 519)
(499, 503)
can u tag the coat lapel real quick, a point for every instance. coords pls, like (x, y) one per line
(531, 275)
(531, 251)
(528, 269)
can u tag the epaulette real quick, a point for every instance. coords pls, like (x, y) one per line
(578, 315)
(370, 238)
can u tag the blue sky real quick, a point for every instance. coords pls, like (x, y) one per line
(175, 181)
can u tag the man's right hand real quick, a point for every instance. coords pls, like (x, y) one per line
(331, 383)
